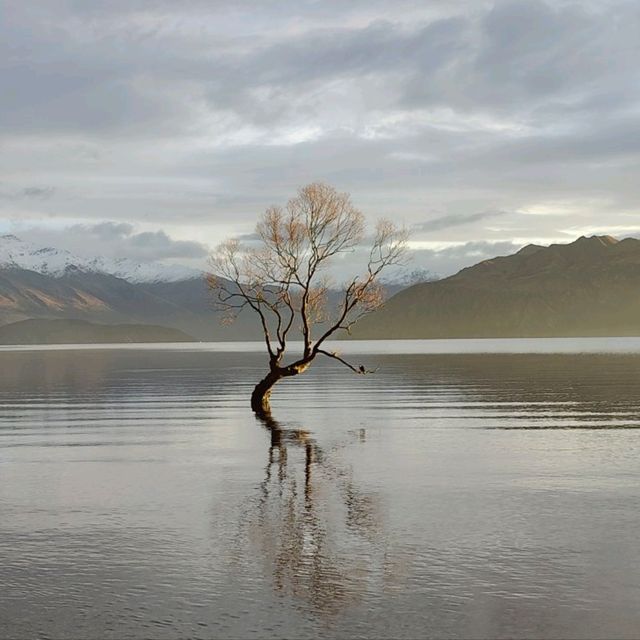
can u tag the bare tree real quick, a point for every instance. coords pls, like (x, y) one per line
(284, 280)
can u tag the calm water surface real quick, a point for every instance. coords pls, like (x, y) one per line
(468, 494)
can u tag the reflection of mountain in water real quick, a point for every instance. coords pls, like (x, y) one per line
(521, 390)
(505, 390)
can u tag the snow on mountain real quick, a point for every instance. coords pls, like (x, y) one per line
(15, 253)
(143, 271)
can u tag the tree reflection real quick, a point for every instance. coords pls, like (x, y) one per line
(315, 531)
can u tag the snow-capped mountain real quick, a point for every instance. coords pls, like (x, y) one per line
(16, 253)
(133, 271)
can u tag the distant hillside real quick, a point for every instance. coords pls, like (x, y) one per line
(590, 287)
(104, 298)
(43, 282)
(82, 332)
(49, 283)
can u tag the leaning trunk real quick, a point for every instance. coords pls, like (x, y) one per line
(262, 393)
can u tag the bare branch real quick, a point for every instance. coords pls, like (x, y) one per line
(361, 370)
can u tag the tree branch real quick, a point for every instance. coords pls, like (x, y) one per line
(361, 370)
(283, 279)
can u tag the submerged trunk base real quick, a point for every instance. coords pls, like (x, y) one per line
(262, 394)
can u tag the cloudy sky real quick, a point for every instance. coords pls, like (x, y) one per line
(154, 129)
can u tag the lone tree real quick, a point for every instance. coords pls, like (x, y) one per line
(283, 278)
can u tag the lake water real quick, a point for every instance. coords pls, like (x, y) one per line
(455, 493)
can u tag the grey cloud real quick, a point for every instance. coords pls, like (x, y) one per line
(203, 113)
(446, 222)
(143, 245)
(26, 193)
(157, 245)
(106, 230)
(248, 237)
(40, 193)
(117, 240)
(450, 260)
(513, 57)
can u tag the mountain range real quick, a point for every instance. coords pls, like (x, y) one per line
(18, 254)
(590, 287)
(50, 283)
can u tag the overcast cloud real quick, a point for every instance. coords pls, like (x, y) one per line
(482, 126)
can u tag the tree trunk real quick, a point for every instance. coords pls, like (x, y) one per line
(262, 393)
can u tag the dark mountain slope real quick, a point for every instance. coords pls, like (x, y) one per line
(186, 305)
(103, 298)
(197, 314)
(588, 287)
(77, 294)
(82, 332)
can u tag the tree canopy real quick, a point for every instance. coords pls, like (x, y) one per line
(283, 277)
